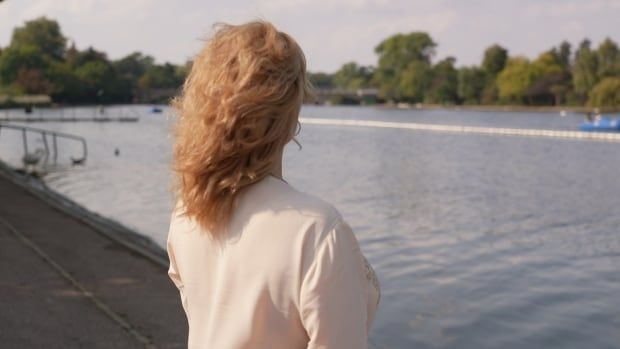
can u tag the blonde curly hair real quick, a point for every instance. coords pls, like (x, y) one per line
(238, 108)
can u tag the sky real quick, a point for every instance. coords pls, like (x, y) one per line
(331, 32)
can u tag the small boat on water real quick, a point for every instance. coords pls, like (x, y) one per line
(156, 110)
(602, 124)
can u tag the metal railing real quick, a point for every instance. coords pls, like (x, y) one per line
(46, 152)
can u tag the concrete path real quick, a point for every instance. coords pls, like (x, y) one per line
(64, 285)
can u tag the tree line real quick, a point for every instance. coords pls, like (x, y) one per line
(406, 72)
(39, 60)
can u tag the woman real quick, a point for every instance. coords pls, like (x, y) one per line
(258, 264)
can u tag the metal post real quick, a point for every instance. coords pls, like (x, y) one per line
(55, 147)
(24, 137)
(47, 148)
(85, 149)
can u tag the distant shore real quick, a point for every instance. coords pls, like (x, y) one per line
(406, 106)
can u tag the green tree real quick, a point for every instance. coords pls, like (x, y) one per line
(608, 57)
(493, 62)
(181, 72)
(444, 83)
(134, 65)
(547, 75)
(42, 33)
(16, 58)
(400, 49)
(23, 63)
(101, 83)
(389, 82)
(471, 83)
(95, 77)
(585, 69)
(77, 58)
(413, 82)
(31, 81)
(66, 86)
(352, 76)
(515, 79)
(563, 91)
(160, 76)
(396, 54)
(495, 58)
(606, 93)
(563, 53)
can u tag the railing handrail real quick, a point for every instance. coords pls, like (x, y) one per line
(40, 130)
(54, 135)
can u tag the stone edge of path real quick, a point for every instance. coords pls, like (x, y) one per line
(106, 227)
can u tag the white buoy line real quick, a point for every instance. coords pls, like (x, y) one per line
(599, 136)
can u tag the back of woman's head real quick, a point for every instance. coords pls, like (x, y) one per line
(239, 107)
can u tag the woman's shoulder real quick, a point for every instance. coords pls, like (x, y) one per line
(283, 200)
(276, 206)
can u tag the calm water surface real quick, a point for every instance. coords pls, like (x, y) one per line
(479, 241)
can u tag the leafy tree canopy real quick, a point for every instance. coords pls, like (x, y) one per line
(413, 82)
(494, 60)
(608, 57)
(444, 83)
(352, 76)
(585, 68)
(515, 79)
(42, 33)
(471, 83)
(396, 55)
(606, 93)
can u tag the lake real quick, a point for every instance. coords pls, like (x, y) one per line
(479, 241)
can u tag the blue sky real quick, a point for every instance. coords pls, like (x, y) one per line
(331, 32)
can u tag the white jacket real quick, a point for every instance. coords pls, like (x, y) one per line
(290, 274)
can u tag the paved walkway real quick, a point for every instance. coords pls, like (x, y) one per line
(64, 285)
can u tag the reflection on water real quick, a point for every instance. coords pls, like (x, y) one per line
(478, 241)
